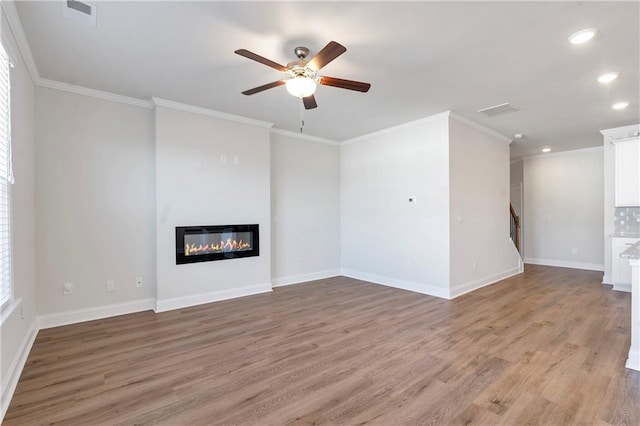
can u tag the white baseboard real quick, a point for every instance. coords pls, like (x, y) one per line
(633, 361)
(622, 287)
(607, 279)
(303, 278)
(15, 369)
(427, 289)
(163, 305)
(565, 264)
(474, 285)
(90, 314)
(396, 283)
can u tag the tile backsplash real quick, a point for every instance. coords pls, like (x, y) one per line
(627, 220)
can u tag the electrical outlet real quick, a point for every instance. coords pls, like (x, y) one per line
(138, 281)
(110, 286)
(67, 289)
(574, 250)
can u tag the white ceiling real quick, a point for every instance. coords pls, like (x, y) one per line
(421, 58)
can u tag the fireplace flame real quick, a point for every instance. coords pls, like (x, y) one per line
(223, 246)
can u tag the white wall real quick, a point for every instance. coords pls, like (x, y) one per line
(18, 327)
(480, 247)
(384, 238)
(95, 201)
(563, 199)
(195, 187)
(305, 209)
(516, 171)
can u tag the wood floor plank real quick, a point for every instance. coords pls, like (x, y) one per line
(520, 377)
(527, 409)
(581, 404)
(545, 347)
(621, 402)
(475, 415)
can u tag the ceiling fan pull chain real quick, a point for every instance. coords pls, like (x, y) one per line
(301, 117)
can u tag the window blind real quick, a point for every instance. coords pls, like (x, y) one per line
(6, 179)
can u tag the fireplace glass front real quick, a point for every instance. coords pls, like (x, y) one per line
(208, 243)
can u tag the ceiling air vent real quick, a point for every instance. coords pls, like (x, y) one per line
(79, 11)
(498, 109)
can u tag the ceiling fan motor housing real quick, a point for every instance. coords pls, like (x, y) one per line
(300, 69)
(301, 52)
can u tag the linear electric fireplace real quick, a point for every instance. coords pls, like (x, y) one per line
(207, 243)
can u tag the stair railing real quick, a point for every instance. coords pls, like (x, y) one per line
(515, 227)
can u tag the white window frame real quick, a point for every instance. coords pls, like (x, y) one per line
(6, 180)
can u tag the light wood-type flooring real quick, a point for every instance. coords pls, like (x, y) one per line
(546, 347)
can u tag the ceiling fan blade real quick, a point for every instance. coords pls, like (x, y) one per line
(263, 87)
(261, 59)
(345, 84)
(309, 102)
(326, 55)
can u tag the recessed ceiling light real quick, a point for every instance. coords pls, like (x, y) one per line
(546, 149)
(583, 36)
(620, 105)
(518, 135)
(608, 77)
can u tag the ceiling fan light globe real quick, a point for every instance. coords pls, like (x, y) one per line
(301, 87)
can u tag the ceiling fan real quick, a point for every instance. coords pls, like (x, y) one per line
(301, 76)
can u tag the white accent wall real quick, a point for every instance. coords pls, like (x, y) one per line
(95, 201)
(209, 172)
(563, 196)
(305, 209)
(18, 327)
(481, 250)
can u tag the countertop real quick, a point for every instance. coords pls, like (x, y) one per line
(626, 235)
(632, 252)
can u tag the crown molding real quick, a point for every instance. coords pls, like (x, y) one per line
(15, 26)
(563, 153)
(436, 117)
(301, 136)
(11, 13)
(210, 113)
(480, 127)
(85, 91)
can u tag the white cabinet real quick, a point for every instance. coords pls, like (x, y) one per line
(621, 267)
(627, 172)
